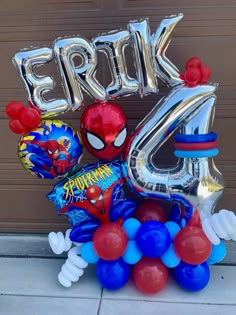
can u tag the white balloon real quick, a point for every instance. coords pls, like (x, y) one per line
(73, 268)
(59, 242)
(220, 225)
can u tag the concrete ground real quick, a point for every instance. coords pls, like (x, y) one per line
(29, 286)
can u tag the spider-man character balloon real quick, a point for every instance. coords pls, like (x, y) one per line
(51, 150)
(93, 196)
(104, 130)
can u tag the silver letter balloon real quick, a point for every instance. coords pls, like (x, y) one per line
(149, 58)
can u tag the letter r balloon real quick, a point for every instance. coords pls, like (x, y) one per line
(74, 77)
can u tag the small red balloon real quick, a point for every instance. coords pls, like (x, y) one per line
(195, 219)
(30, 117)
(110, 241)
(205, 74)
(34, 107)
(193, 62)
(17, 127)
(13, 109)
(192, 245)
(192, 76)
(151, 210)
(150, 275)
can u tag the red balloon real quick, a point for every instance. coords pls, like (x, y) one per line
(192, 245)
(205, 74)
(192, 76)
(150, 275)
(13, 109)
(34, 107)
(193, 62)
(110, 241)
(104, 130)
(195, 220)
(17, 127)
(151, 210)
(30, 117)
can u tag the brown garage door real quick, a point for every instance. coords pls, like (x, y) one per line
(208, 30)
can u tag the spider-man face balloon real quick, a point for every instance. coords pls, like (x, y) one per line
(104, 130)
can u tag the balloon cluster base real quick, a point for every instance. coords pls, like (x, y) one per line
(148, 251)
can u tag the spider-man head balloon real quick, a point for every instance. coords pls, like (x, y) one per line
(104, 130)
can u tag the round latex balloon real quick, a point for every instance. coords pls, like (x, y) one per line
(131, 227)
(151, 210)
(112, 275)
(104, 130)
(23, 119)
(52, 150)
(218, 253)
(110, 241)
(13, 109)
(150, 275)
(173, 229)
(153, 239)
(192, 277)
(169, 258)
(192, 246)
(87, 252)
(132, 254)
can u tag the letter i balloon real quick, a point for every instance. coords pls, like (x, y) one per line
(117, 207)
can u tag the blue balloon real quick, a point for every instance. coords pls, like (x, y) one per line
(218, 253)
(198, 138)
(113, 274)
(132, 254)
(169, 258)
(131, 227)
(175, 213)
(183, 223)
(153, 239)
(173, 229)
(83, 232)
(192, 277)
(88, 254)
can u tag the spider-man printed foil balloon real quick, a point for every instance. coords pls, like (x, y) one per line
(91, 197)
(52, 150)
(104, 130)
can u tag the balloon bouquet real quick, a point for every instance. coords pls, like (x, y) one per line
(119, 233)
